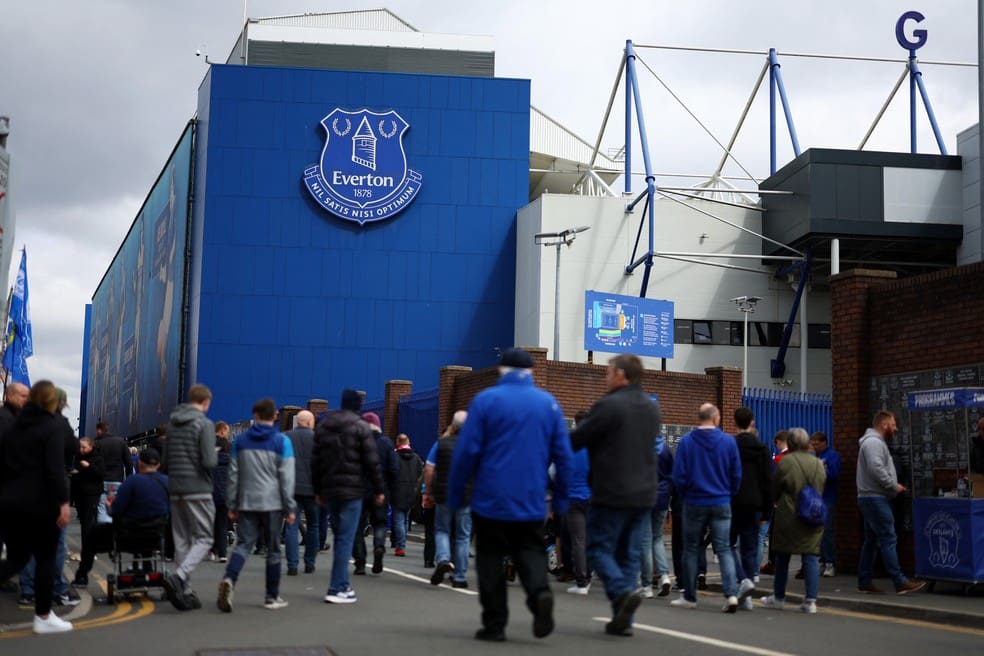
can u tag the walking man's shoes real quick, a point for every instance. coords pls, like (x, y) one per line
(543, 623)
(443, 568)
(491, 635)
(625, 606)
(377, 559)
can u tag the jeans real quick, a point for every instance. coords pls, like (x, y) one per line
(827, 553)
(614, 535)
(764, 529)
(811, 576)
(577, 528)
(695, 520)
(345, 515)
(311, 544)
(427, 515)
(375, 516)
(521, 541)
(401, 524)
(323, 521)
(879, 537)
(249, 527)
(745, 533)
(60, 582)
(653, 548)
(462, 537)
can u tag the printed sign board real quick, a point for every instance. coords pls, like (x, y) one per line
(628, 324)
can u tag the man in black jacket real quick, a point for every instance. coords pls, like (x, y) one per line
(14, 399)
(620, 434)
(751, 504)
(373, 514)
(343, 454)
(114, 452)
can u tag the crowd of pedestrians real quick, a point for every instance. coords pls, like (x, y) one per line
(507, 480)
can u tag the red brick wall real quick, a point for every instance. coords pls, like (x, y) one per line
(881, 325)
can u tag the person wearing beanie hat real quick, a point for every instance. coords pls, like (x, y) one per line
(373, 514)
(344, 453)
(513, 433)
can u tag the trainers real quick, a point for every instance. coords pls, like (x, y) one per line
(67, 599)
(746, 604)
(341, 597)
(664, 586)
(226, 591)
(579, 589)
(701, 582)
(799, 574)
(275, 603)
(490, 635)
(745, 589)
(730, 604)
(461, 585)
(871, 588)
(768, 568)
(223, 559)
(192, 600)
(625, 606)
(683, 602)
(309, 569)
(443, 568)
(755, 579)
(377, 559)
(26, 600)
(291, 571)
(809, 606)
(80, 581)
(51, 624)
(829, 571)
(400, 552)
(543, 622)
(909, 586)
(771, 602)
(647, 592)
(360, 569)
(174, 588)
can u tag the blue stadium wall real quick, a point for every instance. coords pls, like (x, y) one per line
(288, 301)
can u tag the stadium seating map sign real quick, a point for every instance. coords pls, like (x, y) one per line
(628, 324)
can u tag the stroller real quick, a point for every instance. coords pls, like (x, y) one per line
(138, 557)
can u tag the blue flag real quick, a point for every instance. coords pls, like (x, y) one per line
(19, 343)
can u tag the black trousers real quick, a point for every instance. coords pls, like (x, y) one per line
(220, 529)
(430, 547)
(26, 536)
(523, 543)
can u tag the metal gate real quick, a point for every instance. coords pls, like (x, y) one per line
(777, 410)
(418, 419)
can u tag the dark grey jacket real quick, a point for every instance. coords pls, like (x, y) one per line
(303, 441)
(189, 451)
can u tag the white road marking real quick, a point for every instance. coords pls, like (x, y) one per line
(702, 639)
(414, 577)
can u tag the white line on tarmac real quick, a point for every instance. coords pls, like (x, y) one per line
(413, 577)
(702, 639)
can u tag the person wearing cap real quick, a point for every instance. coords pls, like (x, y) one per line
(344, 453)
(513, 433)
(620, 433)
(144, 495)
(373, 514)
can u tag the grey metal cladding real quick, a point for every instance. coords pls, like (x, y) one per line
(370, 58)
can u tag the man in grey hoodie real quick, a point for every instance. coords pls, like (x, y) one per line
(877, 485)
(190, 457)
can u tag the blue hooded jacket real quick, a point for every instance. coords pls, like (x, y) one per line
(707, 467)
(513, 432)
(664, 461)
(580, 490)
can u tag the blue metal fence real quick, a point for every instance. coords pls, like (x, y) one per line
(418, 419)
(777, 410)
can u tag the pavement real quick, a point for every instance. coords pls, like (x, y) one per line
(948, 605)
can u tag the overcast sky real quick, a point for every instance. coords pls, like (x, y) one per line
(99, 91)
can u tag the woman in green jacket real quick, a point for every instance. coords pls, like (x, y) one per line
(790, 535)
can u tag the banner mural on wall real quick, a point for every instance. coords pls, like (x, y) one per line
(135, 335)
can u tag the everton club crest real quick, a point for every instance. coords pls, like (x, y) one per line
(363, 174)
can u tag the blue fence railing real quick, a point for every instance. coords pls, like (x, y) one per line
(419, 420)
(777, 410)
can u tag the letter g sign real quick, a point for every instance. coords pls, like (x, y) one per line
(919, 35)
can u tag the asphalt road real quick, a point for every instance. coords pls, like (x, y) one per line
(400, 614)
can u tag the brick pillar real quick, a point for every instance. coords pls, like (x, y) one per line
(541, 373)
(445, 399)
(317, 406)
(286, 416)
(729, 391)
(849, 339)
(391, 406)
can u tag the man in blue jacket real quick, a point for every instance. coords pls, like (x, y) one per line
(260, 499)
(620, 435)
(706, 474)
(832, 465)
(514, 431)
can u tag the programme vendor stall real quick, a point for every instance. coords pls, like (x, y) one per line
(948, 498)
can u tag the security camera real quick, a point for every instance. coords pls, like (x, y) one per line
(198, 52)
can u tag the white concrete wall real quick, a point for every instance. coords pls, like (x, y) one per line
(972, 248)
(597, 260)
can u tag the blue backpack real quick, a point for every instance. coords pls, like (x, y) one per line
(810, 508)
